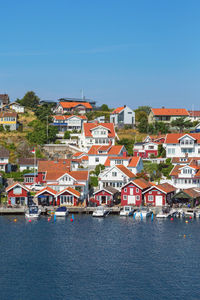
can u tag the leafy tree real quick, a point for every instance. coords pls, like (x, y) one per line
(67, 135)
(104, 107)
(140, 114)
(98, 169)
(39, 134)
(128, 144)
(1, 128)
(7, 127)
(30, 100)
(145, 108)
(44, 111)
(143, 125)
(181, 123)
(161, 151)
(161, 127)
(93, 181)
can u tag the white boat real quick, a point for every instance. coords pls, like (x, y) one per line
(189, 213)
(142, 213)
(166, 213)
(32, 212)
(61, 211)
(101, 211)
(126, 211)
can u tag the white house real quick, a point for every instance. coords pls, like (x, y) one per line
(69, 123)
(186, 176)
(97, 134)
(72, 107)
(166, 115)
(16, 107)
(115, 176)
(134, 164)
(98, 154)
(182, 144)
(123, 115)
(4, 160)
(27, 164)
(194, 115)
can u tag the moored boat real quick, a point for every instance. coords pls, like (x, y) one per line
(61, 211)
(127, 210)
(142, 213)
(101, 211)
(32, 212)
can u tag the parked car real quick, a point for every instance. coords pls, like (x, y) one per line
(36, 187)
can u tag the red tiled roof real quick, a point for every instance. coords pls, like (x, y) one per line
(107, 162)
(17, 183)
(134, 161)
(194, 113)
(8, 114)
(79, 175)
(62, 165)
(191, 192)
(74, 104)
(126, 171)
(173, 138)
(70, 190)
(118, 110)
(170, 112)
(77, 154)
(115, 150)
(68, 117)
(47, 189)
(166, 187)
(94, 150)
(142, 183)
(89, 126)
(85, 157)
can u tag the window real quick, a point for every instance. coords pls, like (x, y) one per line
(125, 190)
(96, 159)
(125, 197)
(114, 174)
(137, 198)
(150, 198)
(17, 190)
(137, 190)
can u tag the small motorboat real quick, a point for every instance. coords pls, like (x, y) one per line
(126, 211)
(142, 213)
(32, 212)
(165, 213)
(189, 213)
(101, 211)
(61, 211)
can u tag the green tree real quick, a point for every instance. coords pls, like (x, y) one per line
(43, 112)
(128, 144)
(98, 169)
(104, 107)
(93, 181)
(30, 100)
(139, 115)
(67, 135)
(39, 134)
(145, 108)
(161, 127)
(161, 151)
(181, 123)
(143, 125)
(1, 128)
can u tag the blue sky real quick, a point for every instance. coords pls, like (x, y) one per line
(144, 52)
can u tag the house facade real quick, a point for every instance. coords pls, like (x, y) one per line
(16, 107)
(115, 176)
(159, 195)
(9, 120)
(72, 107)
(18, 194)
(69, 123)
(123, 116)
(145, 149)
(107, 196)
(194, 115)
(97, 134)
(166, 115)
(186, 176)
(4, 160)
(182, 144)
(27, 164)
(131, 192)
(68, 197)
(134, 164)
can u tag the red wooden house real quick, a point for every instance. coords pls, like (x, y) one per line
(68, 196)
(159, 195)
(18, 194)
(107, 195)
(131, 193)
(46, 196)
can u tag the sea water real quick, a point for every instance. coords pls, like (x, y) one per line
(91, 258)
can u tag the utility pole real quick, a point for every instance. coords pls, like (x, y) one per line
(47, 130)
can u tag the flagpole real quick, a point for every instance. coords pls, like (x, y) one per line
(34, 164)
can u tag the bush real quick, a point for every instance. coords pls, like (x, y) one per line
(67, 135)
(93, 181)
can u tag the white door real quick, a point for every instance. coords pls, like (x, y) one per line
(158, 200)
(131, 191)
(131, 199)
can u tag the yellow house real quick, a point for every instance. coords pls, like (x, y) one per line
(9, 119)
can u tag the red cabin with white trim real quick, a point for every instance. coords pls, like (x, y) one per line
(159, 195)
(68, 196)
(131, 193)
(17, 194)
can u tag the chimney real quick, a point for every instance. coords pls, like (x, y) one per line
(163, 107)
(124, 105)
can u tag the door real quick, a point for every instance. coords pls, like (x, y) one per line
(103, 199)
(131, 199)
(131, 191)
(158, 200)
